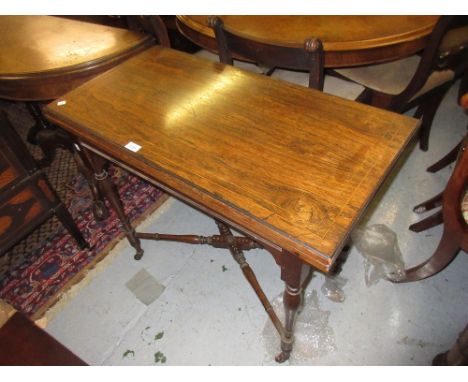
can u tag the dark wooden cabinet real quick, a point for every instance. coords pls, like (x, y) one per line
(26, 197)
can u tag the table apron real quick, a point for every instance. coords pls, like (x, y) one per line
(187, 200)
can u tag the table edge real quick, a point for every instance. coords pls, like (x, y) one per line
(331, 47)
(146, 40)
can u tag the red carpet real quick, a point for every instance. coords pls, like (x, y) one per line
(57, 263)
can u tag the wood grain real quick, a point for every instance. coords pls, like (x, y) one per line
(291, 165)
(43, 57)
(347, 40)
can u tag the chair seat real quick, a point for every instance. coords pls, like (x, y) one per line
(455, 40)
(393, 77)
(332, 85)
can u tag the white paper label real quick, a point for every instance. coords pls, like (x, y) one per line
(61, 103)
(132, 146)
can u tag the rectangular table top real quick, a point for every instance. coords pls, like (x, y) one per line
(286, 164)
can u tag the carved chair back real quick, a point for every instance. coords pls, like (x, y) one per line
(153, 25)
(309, 57)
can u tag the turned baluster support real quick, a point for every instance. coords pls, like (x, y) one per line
(294, 273)
(107, 188)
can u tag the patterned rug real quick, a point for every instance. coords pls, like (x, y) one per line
(35, 272)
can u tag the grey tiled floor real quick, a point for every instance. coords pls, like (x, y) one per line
(209, 315)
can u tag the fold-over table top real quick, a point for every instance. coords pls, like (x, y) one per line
(286, 164)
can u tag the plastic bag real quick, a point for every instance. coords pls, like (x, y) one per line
(332, 288)
(378, 245)
(313, 336)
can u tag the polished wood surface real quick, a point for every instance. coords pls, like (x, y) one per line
(43, 57)
(347, 40)
(289, 166)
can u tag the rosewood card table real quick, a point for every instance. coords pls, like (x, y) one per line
(291, 168)
(347, 40)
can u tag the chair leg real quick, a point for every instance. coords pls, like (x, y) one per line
(428, 110)
(446, 160)
(430, 204)
(446, 251)
(427, 223)
(364, 97)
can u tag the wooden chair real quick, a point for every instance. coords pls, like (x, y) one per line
(453, 215)
(309, 58)
(417, 80)
(153, 25)
(451, 156)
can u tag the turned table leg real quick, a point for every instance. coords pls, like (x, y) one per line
(293, 273)
(100, 210)
(42, 134)
(50, 138)
(107, 189)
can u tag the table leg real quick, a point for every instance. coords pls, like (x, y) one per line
(106, 187)
(49, 138)
(40, 122)
(249, 275)
(42, 134)
(100, 210)
(293, 273)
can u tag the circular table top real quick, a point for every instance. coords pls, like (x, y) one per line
(347, 40)
(52, 52)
